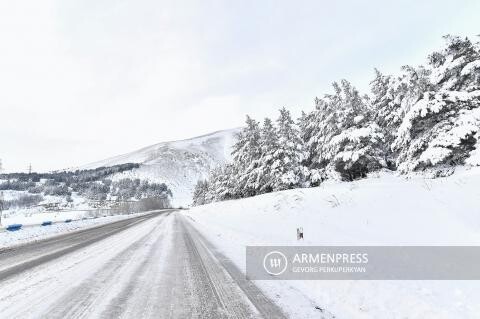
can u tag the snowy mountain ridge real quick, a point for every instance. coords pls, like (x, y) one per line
(179, 164)
(216, 144)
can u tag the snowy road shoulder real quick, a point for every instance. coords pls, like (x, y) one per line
(33, 233)
(379, 211)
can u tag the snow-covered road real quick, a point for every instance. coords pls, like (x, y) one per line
(154, 266)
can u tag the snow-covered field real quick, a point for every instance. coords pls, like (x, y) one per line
(33, 231)
(380, 210)
(38, 213)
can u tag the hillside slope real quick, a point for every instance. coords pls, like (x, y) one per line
(179, 164)
(380, 210)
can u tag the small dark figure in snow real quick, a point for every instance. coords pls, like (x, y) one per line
(299, 233)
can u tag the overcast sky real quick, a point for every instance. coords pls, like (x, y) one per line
(84, 80)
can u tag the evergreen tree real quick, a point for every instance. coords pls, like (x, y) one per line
(306, 129)
(425, 117)
(287, 170)
(246, 154)
(441, 129)
(359, 149)
(223, 185)
(200, 193)
(269, 143)
(393, 97)
(384, 112)
(344, 137)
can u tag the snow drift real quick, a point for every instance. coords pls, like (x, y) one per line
(380, 210)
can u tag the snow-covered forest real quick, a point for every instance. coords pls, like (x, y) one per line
(424, 119)
(94, 185)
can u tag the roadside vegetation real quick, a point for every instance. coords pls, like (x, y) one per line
(95, 185)
(425, 119)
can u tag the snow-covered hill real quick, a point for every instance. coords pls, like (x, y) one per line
(179, 164)
(380, 210)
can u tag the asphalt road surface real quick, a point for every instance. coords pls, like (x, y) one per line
(153, 266)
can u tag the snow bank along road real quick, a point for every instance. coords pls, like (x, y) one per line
(151, 266)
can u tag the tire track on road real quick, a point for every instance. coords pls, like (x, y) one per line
(235, 278)
(85, 299)
(70, 244)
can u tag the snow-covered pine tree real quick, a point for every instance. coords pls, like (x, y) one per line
(246, 154)
(222, 184)
(441, 129)
(474, 158)
(309, 126)
(269, 143)
(306, 128)
(200, 193)
(320, 128)
(384, 112)
(344, 138)
(286, 160)
(426, 117)
(360, 149)
(392, 98)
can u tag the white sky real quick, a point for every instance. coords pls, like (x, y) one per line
(84, 80)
